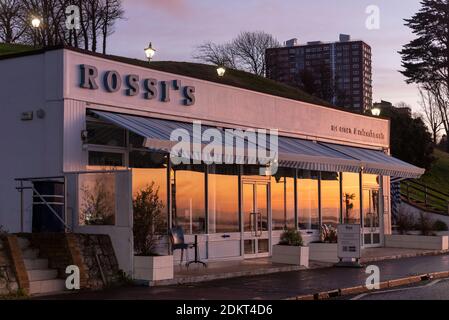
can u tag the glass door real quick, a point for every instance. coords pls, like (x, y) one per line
(371, 218)
(256, 220)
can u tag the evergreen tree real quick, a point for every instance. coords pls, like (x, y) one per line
(426, 58)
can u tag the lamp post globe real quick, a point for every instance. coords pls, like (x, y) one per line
(221, 71)
(375, 111)
(36, 22)
(150, 52)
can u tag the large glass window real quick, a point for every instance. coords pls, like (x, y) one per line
(351, 198)
(149, 177)
(223, 199)
(371, 185)
(283, 199)
(106, 159)
(308, 211)
(105, 134)
(188, 198)
(97, 199)
(330, 198)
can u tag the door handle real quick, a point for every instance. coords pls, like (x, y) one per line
(259, 218)
(254, 223)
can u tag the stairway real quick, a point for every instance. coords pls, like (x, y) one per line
(42, 279)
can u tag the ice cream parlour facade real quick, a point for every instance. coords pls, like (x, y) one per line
(246, 165)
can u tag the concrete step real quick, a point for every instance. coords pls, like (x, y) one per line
(23, 243)
(43, 274)
(30, 253)
(36, 264)
(47, 286)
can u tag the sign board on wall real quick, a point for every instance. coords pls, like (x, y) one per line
(139, 89)
(349, 237)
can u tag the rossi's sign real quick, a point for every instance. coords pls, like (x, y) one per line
(132, 85)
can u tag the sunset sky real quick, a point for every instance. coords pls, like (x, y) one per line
(176, 26)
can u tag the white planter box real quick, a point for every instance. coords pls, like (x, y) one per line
(324, 252)
(417, 242)
(291, 255)
(153, 268)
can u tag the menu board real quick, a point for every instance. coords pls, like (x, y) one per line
(349, 237)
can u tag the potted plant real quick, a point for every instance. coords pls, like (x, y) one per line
(291, 250)
(326, 250)
(148, 229)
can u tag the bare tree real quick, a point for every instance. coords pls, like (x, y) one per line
(52, 14)
(97, 20)
(11, 24)
(245, 52)
(111, 11)
(217, 54)
(431, 113)
(250, 48)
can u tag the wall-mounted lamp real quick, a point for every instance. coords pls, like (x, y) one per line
(84, 136)
(27, 116)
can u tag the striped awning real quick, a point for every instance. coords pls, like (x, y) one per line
(377, 162)
(292, 152)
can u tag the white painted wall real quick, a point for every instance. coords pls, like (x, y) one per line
(220, 104)
(29, 148)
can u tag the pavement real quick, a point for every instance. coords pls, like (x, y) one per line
(286, 285)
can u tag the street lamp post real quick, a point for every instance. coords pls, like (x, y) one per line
(149, 52)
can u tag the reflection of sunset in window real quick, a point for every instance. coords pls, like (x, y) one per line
(351, 198)
(223, 203)
(330, 198)
(283, 202)
(371, 180)
(189, 204)
(142, 178)
(308, 214)
(371, 200)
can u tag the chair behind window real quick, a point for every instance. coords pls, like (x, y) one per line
(177, 235)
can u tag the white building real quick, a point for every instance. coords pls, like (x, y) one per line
(66, 112)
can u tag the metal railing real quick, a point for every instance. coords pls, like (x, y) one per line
(22, 187)
(425, 197)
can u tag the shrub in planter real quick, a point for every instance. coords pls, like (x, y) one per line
(290, 249)
(148, 229)
(440, 226)
(291, 237)
(404, 222)
(424, 224)
(148, 220)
